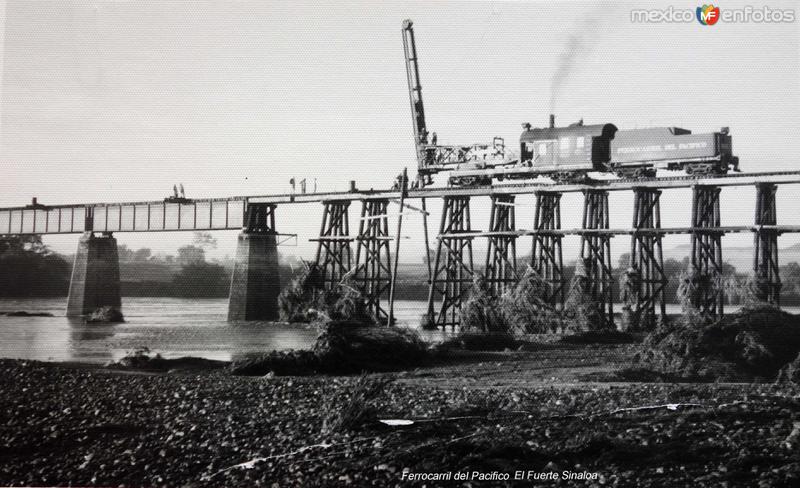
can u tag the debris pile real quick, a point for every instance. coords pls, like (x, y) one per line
(484, 313)
(522, 309)
(526, 308)
(306, 300)
(278, 363)
(752, 344)
(348, 347)
(529, 307)
(582, 312)
(790, 373)
(344, 303)
(107, 315)
(343, 347)
(143, 359)
(296, 301)
(351, 339)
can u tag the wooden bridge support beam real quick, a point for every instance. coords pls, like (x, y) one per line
(255, 283)
(596, 256)
(453, 269)
(95, 275)
(501, 254)
(546, 256)
(644, 281)
(707, 295)
(765, 246)
(373, 259)
(334, 256)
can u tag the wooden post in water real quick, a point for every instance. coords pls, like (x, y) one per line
(393, 281)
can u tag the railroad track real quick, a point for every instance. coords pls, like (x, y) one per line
(206, 213)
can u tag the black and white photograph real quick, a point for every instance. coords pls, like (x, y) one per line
(411, 243)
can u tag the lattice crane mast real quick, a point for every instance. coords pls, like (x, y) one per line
(432, 157)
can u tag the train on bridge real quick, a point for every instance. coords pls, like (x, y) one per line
(568, 154)
(564, 154)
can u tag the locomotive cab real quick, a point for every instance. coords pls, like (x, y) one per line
(576, 149)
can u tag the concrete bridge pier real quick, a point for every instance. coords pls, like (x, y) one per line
(95, 275)
(255, 284)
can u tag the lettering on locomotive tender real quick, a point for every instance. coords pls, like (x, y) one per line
(665, 147)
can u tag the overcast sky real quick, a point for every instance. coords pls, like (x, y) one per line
(118, 100)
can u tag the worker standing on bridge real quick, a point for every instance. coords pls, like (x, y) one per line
(175, 191)
(398, 182)
(434, 139)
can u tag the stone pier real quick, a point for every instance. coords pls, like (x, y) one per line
(95, 275)
(255, 284)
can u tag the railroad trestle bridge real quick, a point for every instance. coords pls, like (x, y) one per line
(369, 257)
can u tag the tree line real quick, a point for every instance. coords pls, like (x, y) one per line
(28, 268)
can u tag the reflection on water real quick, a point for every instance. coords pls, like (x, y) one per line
(173, 327)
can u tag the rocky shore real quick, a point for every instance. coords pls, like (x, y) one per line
(67, 425)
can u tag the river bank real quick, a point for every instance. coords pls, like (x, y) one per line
(494, 414)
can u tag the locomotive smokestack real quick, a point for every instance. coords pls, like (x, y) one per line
(552, 121)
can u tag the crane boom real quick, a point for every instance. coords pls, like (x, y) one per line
(432, 157)
(415, 91)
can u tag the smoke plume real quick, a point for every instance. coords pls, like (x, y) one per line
(579, 46)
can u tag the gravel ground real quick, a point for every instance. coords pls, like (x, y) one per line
(65, 425)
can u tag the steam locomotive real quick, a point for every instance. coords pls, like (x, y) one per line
(568, 154)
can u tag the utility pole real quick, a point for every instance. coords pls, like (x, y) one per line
(403, 191)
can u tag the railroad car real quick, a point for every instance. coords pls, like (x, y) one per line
(568, 154)
(641, 152)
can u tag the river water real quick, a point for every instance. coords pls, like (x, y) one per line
(173, 327)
